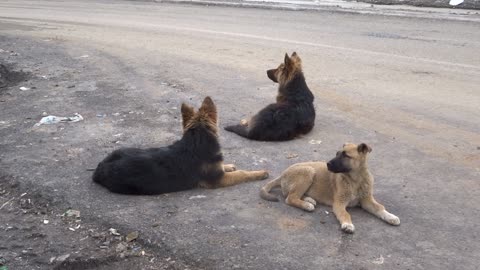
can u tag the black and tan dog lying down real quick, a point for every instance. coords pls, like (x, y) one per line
(344, 181)
(194, 161)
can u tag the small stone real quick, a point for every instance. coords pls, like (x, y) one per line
(131, 236)
(113, 231)
(62, 258)
(72, 213)
(121, 247)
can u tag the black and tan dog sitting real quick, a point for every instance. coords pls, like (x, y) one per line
(292, 115)
(194, 161)
(343, 181)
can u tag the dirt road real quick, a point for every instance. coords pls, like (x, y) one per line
(407, 86)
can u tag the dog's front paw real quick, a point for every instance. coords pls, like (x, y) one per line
(229, 167)
(244, 122)
(348, 227)
(310, 200)
(391, 219)
(263, 175)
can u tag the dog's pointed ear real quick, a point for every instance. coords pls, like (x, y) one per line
(296, 59)
(287, 61)
(187, 114)
(209, 109)
(364, 148)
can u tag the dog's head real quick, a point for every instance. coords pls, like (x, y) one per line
(351, 158)
(205, 117)
(287, 70)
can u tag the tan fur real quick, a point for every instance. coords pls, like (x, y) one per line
(306, 183)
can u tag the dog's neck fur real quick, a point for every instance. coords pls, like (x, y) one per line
(359, 175)
(202, 143)
(287, 92)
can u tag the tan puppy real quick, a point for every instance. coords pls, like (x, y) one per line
(343, 181)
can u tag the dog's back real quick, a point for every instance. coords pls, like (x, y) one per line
(145, 171)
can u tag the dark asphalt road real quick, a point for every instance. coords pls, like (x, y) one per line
(408, 87)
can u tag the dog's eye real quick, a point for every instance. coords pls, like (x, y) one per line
(345, 155)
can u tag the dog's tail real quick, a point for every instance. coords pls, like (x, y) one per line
(238, 129)
(265, 191)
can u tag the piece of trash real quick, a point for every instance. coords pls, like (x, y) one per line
(131, 236)
(113, 231)
(3, 267)
(326, 212)
(72, 213)
(116, 114)
(455, 2)
(71, 229)
(118, 135)
(143, 253)
(197, 197)
(62, 258)
(45, 221)
(52, 259)
(51, 119)
(379, 260)
(44, 114)
(83, 56)
(292, 155)
(315, 142)
(23, 88)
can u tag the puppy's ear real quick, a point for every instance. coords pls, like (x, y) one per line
(364, 148)
(187, 114)
(209, 109)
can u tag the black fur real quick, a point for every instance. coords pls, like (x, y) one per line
(292, 115)
(160, 170)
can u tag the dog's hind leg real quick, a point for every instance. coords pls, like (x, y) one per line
(378, 210)
(237, 177)
(300, 179)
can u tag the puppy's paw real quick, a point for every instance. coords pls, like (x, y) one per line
(310, 200)
(348, 227)
(244, 122)
(391, 218)
(263, 175)
(229, 167)
(307, 206)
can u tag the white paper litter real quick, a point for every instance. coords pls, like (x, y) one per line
(52, 119)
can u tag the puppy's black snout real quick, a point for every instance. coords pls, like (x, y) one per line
(329, 164)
